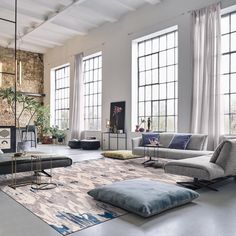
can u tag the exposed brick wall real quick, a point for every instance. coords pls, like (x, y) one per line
(32, 78)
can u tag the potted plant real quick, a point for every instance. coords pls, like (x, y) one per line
(42, 122)
(25, 105)
(60, 136)
(54, 131)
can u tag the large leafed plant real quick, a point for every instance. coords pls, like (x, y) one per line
(26, 107)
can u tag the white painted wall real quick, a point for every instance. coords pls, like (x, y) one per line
(115, 41)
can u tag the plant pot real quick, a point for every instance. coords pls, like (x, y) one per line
(23, 146)
(46, 140)
(60, 140)
(54, 141)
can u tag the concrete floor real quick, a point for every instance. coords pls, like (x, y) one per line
(213, 214)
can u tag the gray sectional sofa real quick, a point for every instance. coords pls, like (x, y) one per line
(196, 147)
(207, 169)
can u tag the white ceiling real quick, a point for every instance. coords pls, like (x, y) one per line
(44, 24)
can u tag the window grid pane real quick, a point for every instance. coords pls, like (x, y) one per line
(158, 81)
(92, 92)
(62, 87)
(228, 71)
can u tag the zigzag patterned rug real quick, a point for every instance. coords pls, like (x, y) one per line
(68, 208)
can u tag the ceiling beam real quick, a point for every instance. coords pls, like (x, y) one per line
(22, 12)
(45, 5)
(39, 19)
(124, 5)
(36, 42)
(63, 28)
(79, 1)
(73, 15)
(153, 2)
(45, 41)
(52, 15)
(49, 18)
(90, 12)
(32, 48)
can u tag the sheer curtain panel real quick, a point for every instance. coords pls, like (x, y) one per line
(207, 114)
(76, 110)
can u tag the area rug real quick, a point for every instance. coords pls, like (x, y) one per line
(68, 208)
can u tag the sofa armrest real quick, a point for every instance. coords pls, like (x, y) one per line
(136, 142)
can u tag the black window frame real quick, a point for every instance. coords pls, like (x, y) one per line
(58, 101)
(229, 122)
(159, 118)
(92, 118)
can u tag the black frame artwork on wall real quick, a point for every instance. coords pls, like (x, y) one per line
(117, 117)
(8, 138)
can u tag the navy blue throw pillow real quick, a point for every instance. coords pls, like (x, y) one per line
(180, 141)
(149, 136)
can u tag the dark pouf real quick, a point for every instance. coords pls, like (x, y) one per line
(74, 144)
(90, 144)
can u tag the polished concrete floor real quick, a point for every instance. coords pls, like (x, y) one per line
(213, 214)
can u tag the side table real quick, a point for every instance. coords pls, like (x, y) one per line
(151, 151)
(117, 136)
(38, 184)
(35, 180)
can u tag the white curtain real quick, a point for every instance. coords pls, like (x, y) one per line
(76, 109)
(207, 115)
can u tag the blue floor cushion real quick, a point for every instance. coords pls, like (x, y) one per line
(143, 197)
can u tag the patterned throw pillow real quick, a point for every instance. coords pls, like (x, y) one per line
(180, 141)
(148, 137)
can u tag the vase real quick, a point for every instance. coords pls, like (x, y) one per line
(114, 129)
(60, 140)
(23, 146)
(54, 141)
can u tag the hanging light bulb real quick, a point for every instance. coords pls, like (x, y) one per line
(20, 73)
(0, 74)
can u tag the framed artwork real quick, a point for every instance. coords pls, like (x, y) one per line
(117, 117)
(8, 138)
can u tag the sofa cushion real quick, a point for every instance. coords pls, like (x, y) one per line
(217, 152)
(180, 141)
(165, 139)
(132, 196)
(197, 142)
(198, 167)
(146, 137)
(168, 153)
(227, 157)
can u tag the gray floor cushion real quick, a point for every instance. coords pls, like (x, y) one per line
(143, 197)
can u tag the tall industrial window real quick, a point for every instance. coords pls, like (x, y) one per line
(228, 70)
(158, 80)
(62, 87)
(93, 92)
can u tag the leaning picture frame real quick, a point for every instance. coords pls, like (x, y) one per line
(117, 117)
(8, 139)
